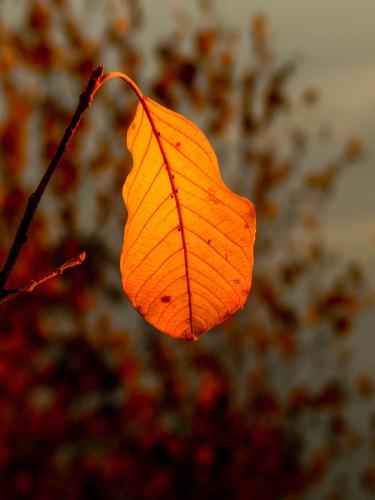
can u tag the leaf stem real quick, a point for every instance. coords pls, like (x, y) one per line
(126, 79)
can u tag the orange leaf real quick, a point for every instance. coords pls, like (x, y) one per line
(187, 257)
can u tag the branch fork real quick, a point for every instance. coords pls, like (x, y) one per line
(6, 295)
(96, 80)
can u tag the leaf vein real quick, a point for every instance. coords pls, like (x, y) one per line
(157, 269)
(217, 252)
(139, 167)
(217, 272)
(149, 253)
(145, 194)
(215, 227)
(130, 147)
(208, 192)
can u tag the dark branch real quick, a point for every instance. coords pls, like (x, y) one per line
(10, 295)
(84, 103)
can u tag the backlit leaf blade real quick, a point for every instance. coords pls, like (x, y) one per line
(187, 258)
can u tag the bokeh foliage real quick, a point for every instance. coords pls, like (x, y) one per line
(94, 403)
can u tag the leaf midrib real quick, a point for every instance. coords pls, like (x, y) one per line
(178, 207)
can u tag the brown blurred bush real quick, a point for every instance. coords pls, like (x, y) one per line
(95, 405)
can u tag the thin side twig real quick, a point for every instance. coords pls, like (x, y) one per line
(29, 287)
(20, 239)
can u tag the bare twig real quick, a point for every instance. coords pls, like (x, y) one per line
(29, 287)
(34, 199)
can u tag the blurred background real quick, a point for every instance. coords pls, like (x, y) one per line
(279, 401)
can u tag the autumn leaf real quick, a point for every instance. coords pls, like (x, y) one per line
(187, 257)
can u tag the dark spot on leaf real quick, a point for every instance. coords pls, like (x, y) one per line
(209, 242)
(236, 281)
(166, 298)
(178, 144)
